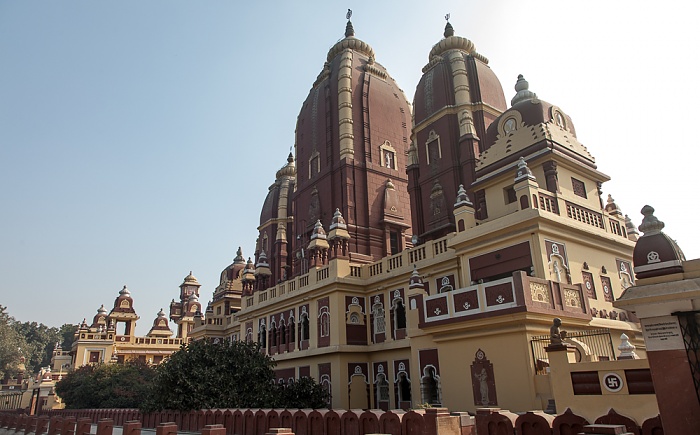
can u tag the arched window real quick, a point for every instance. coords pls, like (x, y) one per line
(404, 387)
(378, 314)
(273, 334)
(382, 388)
(304, 327)
(430, 386)
(292, 335)
(325, 318)
(326, 384)
(283, 332)
(262, 336)
(399, 314)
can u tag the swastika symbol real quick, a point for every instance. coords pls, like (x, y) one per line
(612, 382)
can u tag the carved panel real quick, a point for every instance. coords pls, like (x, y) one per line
(499, 294)
(483, 381)
(607, 289)
(466, 301)
(589, 285)
(572, 298)
(540, 292)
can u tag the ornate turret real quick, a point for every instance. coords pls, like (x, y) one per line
(123, 312)
(655, 253)
(160, 326)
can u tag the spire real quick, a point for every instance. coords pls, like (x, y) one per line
(415, 281)
(523, 171)
(523, 93)
(462, 198)
(349, 30)
(449, 30)
(631, 229)
(239, 257)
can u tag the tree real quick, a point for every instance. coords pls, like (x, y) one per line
(11, 344)
(304, 393)
(40, 342)
(229, 374)
(107, 385)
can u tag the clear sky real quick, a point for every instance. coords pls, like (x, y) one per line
(138, 138)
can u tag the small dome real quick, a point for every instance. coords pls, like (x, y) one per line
(655, 254)
(125, 292)
(415, 281)
(161, 313)
(239, 257)
(262, 260)
(288, 170)
(338, 220)
(319, 232)
(523, 171)
(531, 110)
(190, 279)
(350, 42)
(462, 198)
(102, 310)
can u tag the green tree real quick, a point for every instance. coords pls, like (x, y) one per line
(12, 344)
(230, 374)
(107, 385)
(304, 393)
(40, 342)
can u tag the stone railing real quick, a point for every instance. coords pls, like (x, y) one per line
(519, 292)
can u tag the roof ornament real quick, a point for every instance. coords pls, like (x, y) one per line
(449, 30)
(239, 257)
(462, 198)
(523, 92)
(523, 172)
(650, 224)
(125, 292)
(349, 30)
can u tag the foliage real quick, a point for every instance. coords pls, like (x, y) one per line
(106, 385)
(35, 342)
(304, 393)
(229, 374)
(11, 344)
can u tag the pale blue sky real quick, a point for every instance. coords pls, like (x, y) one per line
(138, 138)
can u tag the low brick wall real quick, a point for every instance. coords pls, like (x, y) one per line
(436, 421)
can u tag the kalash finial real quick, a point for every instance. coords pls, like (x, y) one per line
(449, 30)
(349, 30)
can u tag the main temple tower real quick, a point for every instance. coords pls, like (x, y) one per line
(352, 138)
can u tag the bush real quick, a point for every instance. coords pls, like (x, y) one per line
(107, 386)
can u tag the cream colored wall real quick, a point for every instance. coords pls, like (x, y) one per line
(597, 255)
(637, 406)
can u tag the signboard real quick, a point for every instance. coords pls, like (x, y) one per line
(662, 333)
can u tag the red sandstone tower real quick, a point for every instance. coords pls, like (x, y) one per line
(456, 100)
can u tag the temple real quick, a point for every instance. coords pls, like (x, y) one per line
(417, 254)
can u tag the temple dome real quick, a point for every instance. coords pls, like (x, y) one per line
(436, 88)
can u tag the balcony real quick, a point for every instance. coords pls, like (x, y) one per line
(517, 293)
